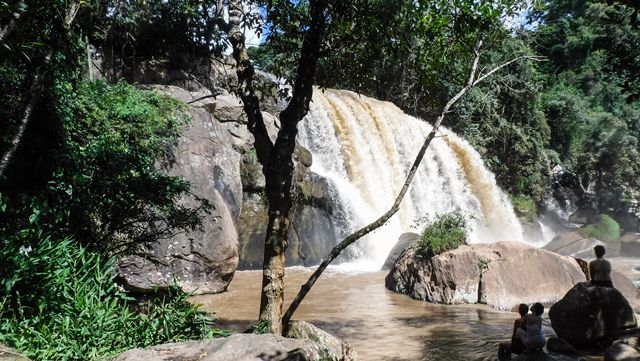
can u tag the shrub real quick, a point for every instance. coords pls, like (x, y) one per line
(60, 302)
(446, 232)
(525, 207)
(605, 229)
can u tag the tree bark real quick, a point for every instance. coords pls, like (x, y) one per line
(276, 159)
(405, 187)
(7, 29)
(34, 95)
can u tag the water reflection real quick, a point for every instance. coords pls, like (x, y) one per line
(379, 324)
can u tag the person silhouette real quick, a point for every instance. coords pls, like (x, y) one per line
(531, 333)
(505, 349)
(600, 268)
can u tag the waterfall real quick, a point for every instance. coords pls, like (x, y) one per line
(366, 148)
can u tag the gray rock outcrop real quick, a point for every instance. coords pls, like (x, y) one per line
(588, 317)
(320, 346)
(573, 244)
(405, 241)
(202, 261)
(501, 275)
(9, 354)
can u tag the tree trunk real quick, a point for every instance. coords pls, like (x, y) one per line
(7, 29)
(276, 159)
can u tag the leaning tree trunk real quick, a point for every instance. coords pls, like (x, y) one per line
(276, 158)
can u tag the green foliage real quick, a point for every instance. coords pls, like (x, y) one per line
(446, 232)
(391, 50)
(605, 229)
(58, 301)
(105, 185)
(525, 207)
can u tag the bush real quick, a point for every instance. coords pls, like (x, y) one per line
(525, 207)
(605, 229)
(447, 232)
(60, 302)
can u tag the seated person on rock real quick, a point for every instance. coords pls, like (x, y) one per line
(531, 332)
(600, 269)
(505, 349)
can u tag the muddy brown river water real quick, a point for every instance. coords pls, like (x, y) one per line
(378, 323)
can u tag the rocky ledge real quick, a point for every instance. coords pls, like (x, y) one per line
(305, 343)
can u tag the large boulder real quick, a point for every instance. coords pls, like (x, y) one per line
(573, 244)
(334, 348)
(249, 347)
(405, 241)
(501, 275)
(202, 261)
(589, 316)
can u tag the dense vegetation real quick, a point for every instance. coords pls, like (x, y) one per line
(571, 121)
(83, 185)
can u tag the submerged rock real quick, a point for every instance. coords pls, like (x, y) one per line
(588, 317)
(501, 275)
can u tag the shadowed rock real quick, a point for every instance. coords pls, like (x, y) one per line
(588, 317)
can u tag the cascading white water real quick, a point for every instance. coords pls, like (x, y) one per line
(366, 148)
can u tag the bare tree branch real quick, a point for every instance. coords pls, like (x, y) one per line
(396, 204)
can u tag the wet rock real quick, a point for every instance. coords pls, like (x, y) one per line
(621, 351)
(497, 274)
(202, 261)
(573, 244)
(555, 344)
(533, 356)
(630, 245)
(588, 317)
(333, 347)
(238, 347)
(405, 241)
(9, 354)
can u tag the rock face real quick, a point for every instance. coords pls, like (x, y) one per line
(242, 347)
(499, 274)
(312, 233)
(405, 241)
(588, 316)
(201, 261)
(573, 244)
